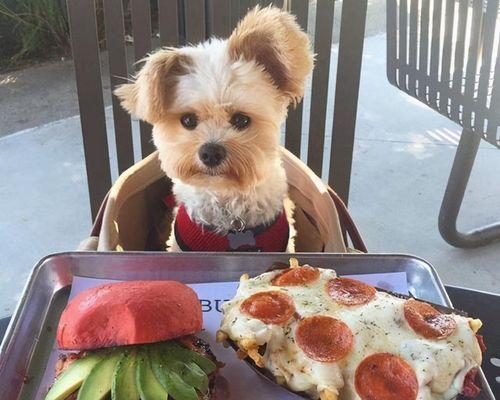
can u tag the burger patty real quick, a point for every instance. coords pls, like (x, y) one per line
(219, 389)
(194, 343)
(218, 385)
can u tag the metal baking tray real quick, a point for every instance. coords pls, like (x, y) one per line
(30, 336)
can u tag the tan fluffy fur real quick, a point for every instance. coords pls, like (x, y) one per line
(275, 40)
(258, 71)
(149, 97)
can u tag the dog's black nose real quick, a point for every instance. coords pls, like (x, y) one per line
(212, 154)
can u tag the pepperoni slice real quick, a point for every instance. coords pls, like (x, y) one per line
(480, 341)
(385, 376)
(271, 307)
(427, 321)
(350, 292)
(470, 389)
(324, 338)
(296, 276)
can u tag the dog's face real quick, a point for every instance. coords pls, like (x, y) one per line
(216, 109)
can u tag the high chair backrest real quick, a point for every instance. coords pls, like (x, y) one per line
(127, 25)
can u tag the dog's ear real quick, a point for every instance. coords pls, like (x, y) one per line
(149, 97)
(274, 40)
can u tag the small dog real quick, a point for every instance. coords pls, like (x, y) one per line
(216, 110)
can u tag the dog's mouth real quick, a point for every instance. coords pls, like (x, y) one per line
(224, 176)
(212, 172)
(217, 174)
(216, 171)
(207, 174)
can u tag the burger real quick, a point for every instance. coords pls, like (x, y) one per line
(134, 340)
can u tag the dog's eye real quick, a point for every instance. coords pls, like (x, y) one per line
(240, 121)
(189, 121)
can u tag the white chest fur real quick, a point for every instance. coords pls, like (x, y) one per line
(255, 207)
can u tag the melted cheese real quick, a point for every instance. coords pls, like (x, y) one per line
(378, 326)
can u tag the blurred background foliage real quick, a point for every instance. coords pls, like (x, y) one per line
(32, 29)
(37, 30)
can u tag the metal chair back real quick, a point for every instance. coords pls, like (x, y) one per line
(446, 53)
(191, 21)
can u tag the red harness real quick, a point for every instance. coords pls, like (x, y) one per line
(191, 236)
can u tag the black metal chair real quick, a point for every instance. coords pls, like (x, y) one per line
(446, 53)
(193, 21)
(485, 306)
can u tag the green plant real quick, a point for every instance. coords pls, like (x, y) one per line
(39, 26)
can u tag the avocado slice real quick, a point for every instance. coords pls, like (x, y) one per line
(186, 355)
(72, 378)
(97, 385)
(123, 386)
(147, 384)
(188, 371)
(176, 387)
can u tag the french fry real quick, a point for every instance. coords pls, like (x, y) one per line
(327, 394)
(256, 357)
(221, 337)
(294, 263)
(244, 277)
(248, 347)
(248, 344)
(280, 380)
(475, 324)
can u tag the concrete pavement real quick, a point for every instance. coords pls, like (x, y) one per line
(403, 155)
